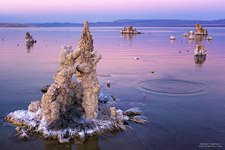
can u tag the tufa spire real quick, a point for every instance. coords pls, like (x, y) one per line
(86, 41)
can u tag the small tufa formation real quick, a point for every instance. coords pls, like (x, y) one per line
(209, 38)
(186, 34)
(129, 30)
(172, 38)
(71, 111)
(200, 50)
(191, 35)
(29, 39)
(199, 30)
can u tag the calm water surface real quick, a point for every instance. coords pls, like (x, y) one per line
(183, 96)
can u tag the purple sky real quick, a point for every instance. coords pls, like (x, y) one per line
(108, 10)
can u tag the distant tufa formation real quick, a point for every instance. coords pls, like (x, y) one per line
(72, 111)
(200, 50)
(199, 30)
(29, 39)
(129, 30)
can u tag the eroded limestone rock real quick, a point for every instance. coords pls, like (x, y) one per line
(86, 73)
(61, 103)
(71, 111)
(199, 30)
(129, 30)
(29, 38)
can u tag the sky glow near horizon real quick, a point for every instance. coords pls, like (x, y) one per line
(108, 10)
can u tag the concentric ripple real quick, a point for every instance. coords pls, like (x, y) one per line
(172, 86)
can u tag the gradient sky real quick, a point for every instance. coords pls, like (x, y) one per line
(108, 10)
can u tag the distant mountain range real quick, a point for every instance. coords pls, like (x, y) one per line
(127, 22)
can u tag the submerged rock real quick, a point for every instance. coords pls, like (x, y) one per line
(72, 111)
(139, 119)
(133, 111)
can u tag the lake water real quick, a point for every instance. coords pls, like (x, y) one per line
(182, 96)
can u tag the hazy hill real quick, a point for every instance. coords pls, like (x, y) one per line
(127, 22)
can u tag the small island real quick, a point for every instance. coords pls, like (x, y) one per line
(130, 30)
(199, 30)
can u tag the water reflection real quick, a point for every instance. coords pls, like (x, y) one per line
(50, 145)
(199, 39)
(29, 47)
(199, 60)
(128, 37)
(172, 41)
(91, 143)
(191, 43)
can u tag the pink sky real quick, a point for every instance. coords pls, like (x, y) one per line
(206, 9)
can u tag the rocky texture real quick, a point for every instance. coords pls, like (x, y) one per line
(29, 39)
(129, 30)
(172, 38)
(209, 38)
(199, 30)
(71, 111)
(61, 102)
(200, 50)
(29, 124)
(86, 74)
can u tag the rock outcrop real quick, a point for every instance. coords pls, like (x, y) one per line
(199, 30)
(71, 111)
(29, 41)
(29, 38)
(172, 38)
(200, 50)
(86, 73)
(61, 102)
(129, 30)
